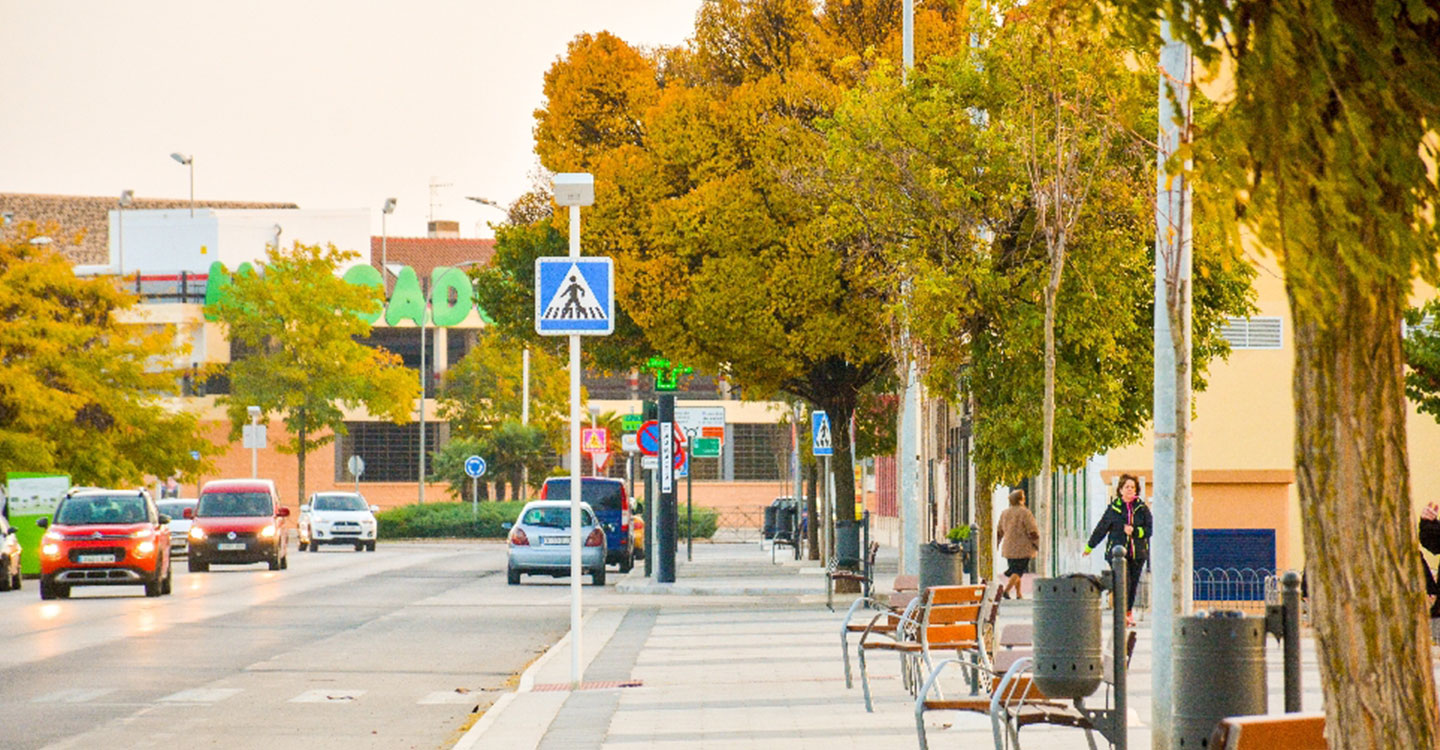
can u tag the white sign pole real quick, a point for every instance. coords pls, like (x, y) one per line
(575, 541)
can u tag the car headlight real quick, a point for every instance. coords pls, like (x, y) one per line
(143, 534)
(51, 550)
(145, 547)
(53, 536)
(268, 532)
(197, 533)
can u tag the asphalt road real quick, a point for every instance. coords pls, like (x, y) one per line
(397, 648)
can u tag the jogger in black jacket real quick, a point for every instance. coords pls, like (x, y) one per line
(1126, 522)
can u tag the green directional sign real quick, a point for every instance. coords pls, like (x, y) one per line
(630, 423)
(703, 447)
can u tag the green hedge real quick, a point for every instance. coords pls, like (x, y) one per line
(450, 520)
(447, 520)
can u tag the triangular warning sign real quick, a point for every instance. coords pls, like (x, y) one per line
(574, 300)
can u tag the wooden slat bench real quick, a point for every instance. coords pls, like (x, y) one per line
(1304, 731)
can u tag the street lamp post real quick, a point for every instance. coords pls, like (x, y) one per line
(254, 412)
(384, 254)
(189, 161)
(574, 190)
(126, 198)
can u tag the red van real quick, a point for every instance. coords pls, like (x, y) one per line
(238, 521)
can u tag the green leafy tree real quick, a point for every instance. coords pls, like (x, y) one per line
(82, 391)
(486, 387)
(1422, 357)
(940, 197)
(1335, 106)
(509, 450)
(299, 320)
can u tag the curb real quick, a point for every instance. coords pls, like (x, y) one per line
(527, 681)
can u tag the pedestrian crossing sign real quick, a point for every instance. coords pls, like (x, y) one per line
(574, 296)
(820, 430)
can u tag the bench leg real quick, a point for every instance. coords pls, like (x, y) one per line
(845, 657)
(864, 678)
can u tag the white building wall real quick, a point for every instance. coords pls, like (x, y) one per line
(171, 240)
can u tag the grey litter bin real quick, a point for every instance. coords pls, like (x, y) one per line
(847, 543)
(769, 528)
(940, 565)
(1067, 636)
(1219, 672)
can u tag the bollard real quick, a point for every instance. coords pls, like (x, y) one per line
(1290, 600)
(1219, 672)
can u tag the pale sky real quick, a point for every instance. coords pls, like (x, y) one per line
(324, 103)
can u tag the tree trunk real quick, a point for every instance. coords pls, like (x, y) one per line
(812, 533)
(984, 512)
(1365, 582)
(300, 458)
(1042, 492)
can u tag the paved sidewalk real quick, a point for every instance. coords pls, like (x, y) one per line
(742, 653)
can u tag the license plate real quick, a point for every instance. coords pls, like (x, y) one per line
(96, 558)
(557, 540)
(230, 546)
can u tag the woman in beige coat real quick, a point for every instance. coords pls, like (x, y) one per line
(1019, 538)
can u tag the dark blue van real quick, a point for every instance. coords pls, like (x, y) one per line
(611, 503)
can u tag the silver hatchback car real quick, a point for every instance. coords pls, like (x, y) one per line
(540, 542)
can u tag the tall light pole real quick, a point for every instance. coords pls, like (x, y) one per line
(189, 161)
(909, 437)
(127, 197)
(574, 190)
(384, 250)
(424, 381)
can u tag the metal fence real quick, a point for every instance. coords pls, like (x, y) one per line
(740, 524)
(1242, 589)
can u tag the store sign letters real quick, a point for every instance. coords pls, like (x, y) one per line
(450, 303)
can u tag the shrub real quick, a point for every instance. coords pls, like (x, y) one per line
(706, 521)
(447, 520)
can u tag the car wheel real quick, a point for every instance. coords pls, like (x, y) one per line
(18, 579)
(47, 590)
(7, 582)
(303, 546)
(154, 587)
(360, 547)
(370, 546)
(598, 577)
(314, 546)
(196, 566)
(62, 590)
(169, 584)
(512, 576)
(627, 562)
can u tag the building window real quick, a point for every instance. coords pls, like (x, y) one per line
(1253, 333)
(761, 451)
(389, 450)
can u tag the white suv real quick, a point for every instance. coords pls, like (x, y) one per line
(337, 518)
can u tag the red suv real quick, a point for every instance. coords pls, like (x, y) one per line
(105, 538)
(238, 521)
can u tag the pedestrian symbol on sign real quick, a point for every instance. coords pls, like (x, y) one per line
(574, 300)
(820, 426)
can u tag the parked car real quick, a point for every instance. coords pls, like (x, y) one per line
(105, 538)
(179, 523)
(611, 504)
(540, 542)
(637, 531)
(236, 522)
(9, 557)
(337, 518)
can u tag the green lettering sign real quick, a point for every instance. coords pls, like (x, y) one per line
(445, 284)
(367, 276)
(407, 302)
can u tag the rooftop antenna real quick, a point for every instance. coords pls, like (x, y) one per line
(435, 186)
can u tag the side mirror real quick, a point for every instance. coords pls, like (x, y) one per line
(374, 509)
(283, 512)
(10, 532)
(164, 519)
(187, 513)
(305, 508)
(507, 526)
(43, 523)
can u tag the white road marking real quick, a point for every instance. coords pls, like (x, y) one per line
(448, 697)
(331, 695)
(73, 695)
(201, 695)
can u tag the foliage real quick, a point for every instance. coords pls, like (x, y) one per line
(706, 520)
(508, 450)
(958, 534)
(447, 521)
(486, 387)
(1422, 356)
(82, 390)
(300, 322)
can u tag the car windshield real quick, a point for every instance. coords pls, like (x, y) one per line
(76, 511)
(602, 496)
(555, 517)
(234, 504)
(338, 502)
(175, 509)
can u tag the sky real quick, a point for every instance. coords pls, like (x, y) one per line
(323, 103)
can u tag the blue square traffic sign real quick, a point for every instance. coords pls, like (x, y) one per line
(574, 296)
(821, 444)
